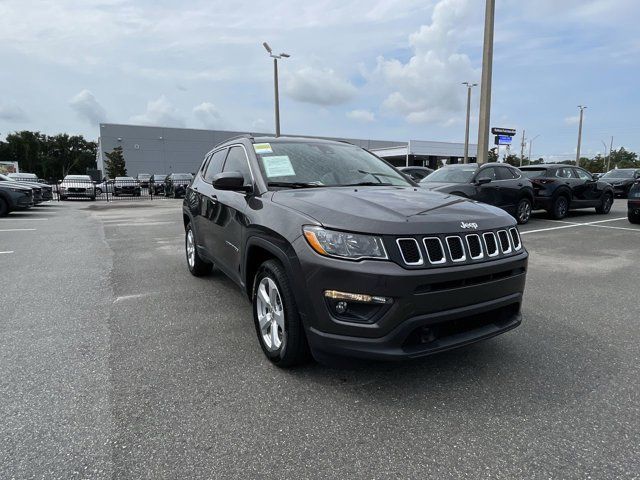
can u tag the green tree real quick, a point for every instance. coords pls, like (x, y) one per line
(513, 160)
(115, 164)
(493, 155)
(622, 158)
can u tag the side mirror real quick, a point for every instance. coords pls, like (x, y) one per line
(230, 181)
(483, 181)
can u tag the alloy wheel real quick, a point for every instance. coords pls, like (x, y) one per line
(270, 314)
(191, 249)
(524, 212)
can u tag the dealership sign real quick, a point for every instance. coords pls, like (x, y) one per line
(503, 139)
(509, 132)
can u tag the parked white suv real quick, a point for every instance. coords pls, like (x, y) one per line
(77, 186)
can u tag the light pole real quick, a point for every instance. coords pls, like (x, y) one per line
(466, 134)
(275, 82)
(485, 84)
(604, 159)
(531, 143)
(581, 107)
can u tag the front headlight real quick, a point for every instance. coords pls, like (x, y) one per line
(350, 246)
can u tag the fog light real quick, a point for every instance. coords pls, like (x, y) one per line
(341, 307)
(355, 297)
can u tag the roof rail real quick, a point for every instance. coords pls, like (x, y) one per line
(244, 135)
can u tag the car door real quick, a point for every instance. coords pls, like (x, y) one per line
(488, 192)
(567, 177)
(586, 187)
(511, 183)
(208, 205)
(231, 221)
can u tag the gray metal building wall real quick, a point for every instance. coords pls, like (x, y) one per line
(181, 150)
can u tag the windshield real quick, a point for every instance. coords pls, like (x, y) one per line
(126, 179)
(181, 176)
(451, 175)
(618, 174)
(309, 164)
(144, 176)
(531, 173)
(159, 177)
(25, 176)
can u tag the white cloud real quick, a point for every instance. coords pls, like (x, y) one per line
(320, 87)
(208, 115)
(88, 108)
(427, 88)
(12, 113)
(259, 125)
(361, 115)
(159, 112)
(574, 120)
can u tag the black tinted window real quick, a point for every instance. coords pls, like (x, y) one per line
(506, 173)
(215, 164)
(237, 162)
(489, 172)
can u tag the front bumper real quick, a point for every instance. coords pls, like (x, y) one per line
(432, 309)
(634, 207)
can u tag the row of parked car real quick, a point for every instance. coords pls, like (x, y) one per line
(172, 185)
(22, 191)
(556, 188)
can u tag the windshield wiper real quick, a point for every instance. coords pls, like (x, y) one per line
(367, 184)
(294, 184)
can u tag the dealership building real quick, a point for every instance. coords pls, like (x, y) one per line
(165, 150)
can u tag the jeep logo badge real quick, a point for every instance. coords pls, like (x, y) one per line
(469, 225)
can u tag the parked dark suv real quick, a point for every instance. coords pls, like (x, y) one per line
(493, 183)
(175, 184)
(633, 203)
(559, 188)
(14, 197)
(621, 179)
(341, 253)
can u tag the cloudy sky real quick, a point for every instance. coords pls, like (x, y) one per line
(383, 69)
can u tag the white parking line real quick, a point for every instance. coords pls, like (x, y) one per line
(576, 224)
(617, 228)
(18, 230)
(139, 224)
(8, 251)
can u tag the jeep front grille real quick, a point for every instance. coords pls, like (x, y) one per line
(437, 250)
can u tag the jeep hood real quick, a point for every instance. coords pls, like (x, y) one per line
(391, 210)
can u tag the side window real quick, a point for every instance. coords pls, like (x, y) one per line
(215, 165)
(564, 173)
(582, 175)
(489, 172)
(506, 173)
(237, 162)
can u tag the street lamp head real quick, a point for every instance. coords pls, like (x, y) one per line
(285, 55)
(267, 47)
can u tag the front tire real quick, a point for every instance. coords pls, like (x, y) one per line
(523, 211)
(606, 203)
(633, 217)
(4, 208)
(197, 266)
(560, 207)
(276, 317)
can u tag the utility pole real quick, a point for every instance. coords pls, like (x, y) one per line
(485, 85)
(610, 150)
(581, 107)
(531, 143)
(466, 134)
(275, 82)
(522, 148)
(604, 159)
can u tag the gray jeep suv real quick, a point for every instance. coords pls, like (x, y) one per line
(342, 255)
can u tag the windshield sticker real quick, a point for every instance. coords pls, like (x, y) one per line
(262, 148)
(278, 166)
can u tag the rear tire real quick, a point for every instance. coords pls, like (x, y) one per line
(93, 199)
(633, 218)
(63, 197)
(560, 207)
(98, 191)
(523, 211)
(606, 203)
(276, 317)
(4, 208)
(197, 266)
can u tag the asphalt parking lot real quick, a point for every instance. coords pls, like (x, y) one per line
(116, 363)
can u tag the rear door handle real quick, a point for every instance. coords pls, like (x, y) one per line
(519, 184)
